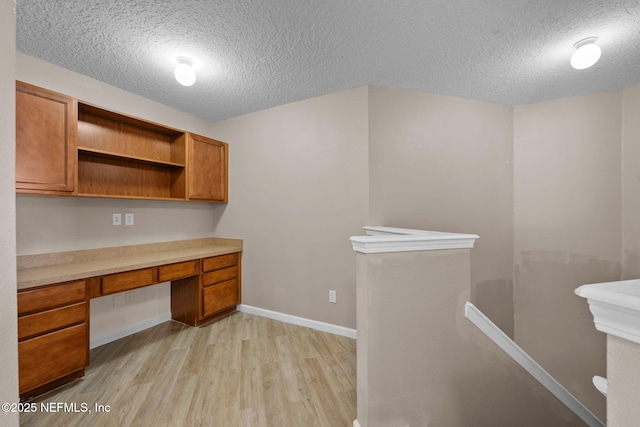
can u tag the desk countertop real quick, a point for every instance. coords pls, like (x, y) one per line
(58, 267)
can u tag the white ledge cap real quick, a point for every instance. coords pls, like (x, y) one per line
(389, 239)
(615, 307)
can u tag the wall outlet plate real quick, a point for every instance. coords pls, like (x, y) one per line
(332, 296)
(128, 219)
(129, 298)
(117, 219)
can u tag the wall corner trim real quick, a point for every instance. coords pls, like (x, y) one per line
(390, 239)
(300, 321)
(483, 323)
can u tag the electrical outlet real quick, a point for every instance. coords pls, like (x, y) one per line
(129, 298)
(118, 300)
(332, 296)
(128, 219)
(117, 219)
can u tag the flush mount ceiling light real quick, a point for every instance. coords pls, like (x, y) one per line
(184, 72)
(587, 53)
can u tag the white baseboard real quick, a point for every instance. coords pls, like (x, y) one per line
(129, 330)
(300, 321)
(531, 366)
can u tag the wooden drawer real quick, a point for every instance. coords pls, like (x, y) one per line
(177, 271)
(52, 356)
(51, 297)
(125, 281)
(218, 276)
(219, 297)
(218, 262)
(50, 320)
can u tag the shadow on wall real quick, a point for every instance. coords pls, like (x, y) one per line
(495, 299)
(555, 326)
(631, 264)
(495, 384)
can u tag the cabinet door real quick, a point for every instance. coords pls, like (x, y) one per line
(221, 296)
(207, 169)
(52, 356)
(46, 141)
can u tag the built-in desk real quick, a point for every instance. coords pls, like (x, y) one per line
(54, 291)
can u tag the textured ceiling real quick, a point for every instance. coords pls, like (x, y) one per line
(251, 55)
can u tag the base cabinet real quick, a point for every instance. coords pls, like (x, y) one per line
(53, 336)
(53, 320)
(216, 292)
(52, 356)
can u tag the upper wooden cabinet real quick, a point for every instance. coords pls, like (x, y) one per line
(46, 137)
(207, 169)
(68, 147)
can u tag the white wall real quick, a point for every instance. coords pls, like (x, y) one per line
(298, 190)
(8, 303)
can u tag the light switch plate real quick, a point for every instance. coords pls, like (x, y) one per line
(128, 219)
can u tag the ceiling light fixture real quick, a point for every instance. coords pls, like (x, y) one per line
(587, 53)
(184, 71)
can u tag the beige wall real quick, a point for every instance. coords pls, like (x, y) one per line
(567, 203)
(443, 163)
(8, 304)
(422, 363)
(53, 224)
(298, 189)
(631, 183)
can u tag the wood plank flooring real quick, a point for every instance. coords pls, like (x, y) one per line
(243, 370)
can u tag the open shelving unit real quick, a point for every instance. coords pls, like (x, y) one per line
(93, 152)
(121, 156)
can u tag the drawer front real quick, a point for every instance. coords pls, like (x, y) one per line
(177, 271)
(52, 356)
(218, 262)
(219, 297)
(218, 276)
(51, 297)
(125, 281)
(50, 320)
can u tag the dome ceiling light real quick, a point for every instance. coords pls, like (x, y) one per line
(587, 53)
(184, 71)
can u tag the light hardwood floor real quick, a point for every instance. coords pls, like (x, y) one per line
(243, 370)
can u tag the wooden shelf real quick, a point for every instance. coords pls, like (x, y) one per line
(108, 154)
(117, 176)
(124, 157)
(109, 196)
(92, 110)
